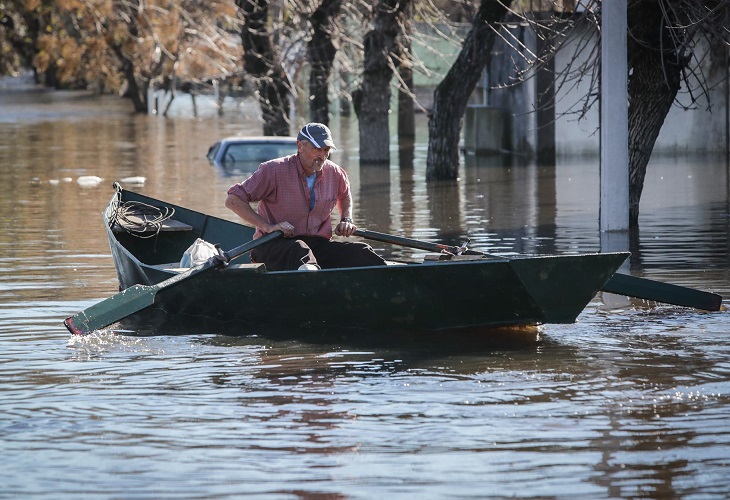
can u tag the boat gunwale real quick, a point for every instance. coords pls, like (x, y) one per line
(400, 263)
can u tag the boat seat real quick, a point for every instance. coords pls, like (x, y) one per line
(174, 267)
(258, 267)
(137, 225)
(440, 257)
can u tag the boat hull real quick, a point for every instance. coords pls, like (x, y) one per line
(429, 296)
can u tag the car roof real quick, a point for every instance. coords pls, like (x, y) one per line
(262, 138)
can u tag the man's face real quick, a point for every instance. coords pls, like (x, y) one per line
(312, 158)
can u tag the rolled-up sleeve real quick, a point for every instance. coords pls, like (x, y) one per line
(238, 190)
(261, 185)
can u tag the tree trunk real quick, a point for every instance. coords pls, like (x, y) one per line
(657, 58)
(136, 86)
(452, 94)
(135, 92)
(264, 64)
(321, 51)
(372, 100)
(406, 107)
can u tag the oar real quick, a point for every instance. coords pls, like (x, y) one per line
(138, 297)
(643, 288)
(419, 244)
(622, 284)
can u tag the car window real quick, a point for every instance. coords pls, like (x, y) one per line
(213, 150)
(256, 152)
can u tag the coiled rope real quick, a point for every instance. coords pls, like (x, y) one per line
(137, 218)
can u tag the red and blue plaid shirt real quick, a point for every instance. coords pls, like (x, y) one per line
(280, 188)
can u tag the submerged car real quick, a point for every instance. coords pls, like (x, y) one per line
(244, 154)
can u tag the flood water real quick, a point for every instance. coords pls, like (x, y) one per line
(630, 401)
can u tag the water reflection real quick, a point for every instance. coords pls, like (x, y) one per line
(374, 197)
(496, 182)
(412, 344)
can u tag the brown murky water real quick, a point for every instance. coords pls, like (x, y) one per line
(631, 401)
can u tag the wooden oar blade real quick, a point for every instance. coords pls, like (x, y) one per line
(138, 297)
(111, 310)
(642, 288)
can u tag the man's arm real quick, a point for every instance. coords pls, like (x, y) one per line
(344, 205)
(244, 211)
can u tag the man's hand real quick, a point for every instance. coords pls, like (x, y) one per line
(286, 228)
(345, 228)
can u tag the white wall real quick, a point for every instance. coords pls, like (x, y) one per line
(685, 131)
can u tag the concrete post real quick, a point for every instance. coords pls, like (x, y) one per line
(614, 207)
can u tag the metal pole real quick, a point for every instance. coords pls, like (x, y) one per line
(727, 106)
(614, 207)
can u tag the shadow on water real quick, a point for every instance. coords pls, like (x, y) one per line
(329, 355)
(427, 344)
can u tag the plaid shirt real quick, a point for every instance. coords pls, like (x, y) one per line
(280, 187)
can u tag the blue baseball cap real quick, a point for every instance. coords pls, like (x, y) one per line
(318, 134)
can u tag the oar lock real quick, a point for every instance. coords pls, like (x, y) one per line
(222, 256)
(461, 252)
(454, 251)
(464, 247)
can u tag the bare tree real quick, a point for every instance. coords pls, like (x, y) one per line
(406, 97)
(452, 94)
(372, 100)
(321, 51)
(663, 55)
(667, 42)
(262, 60)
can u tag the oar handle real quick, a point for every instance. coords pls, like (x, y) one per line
(248, 246)
(419, 244)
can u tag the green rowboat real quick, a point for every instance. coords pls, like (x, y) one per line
(463, 292)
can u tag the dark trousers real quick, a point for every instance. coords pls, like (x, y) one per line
(284, 254)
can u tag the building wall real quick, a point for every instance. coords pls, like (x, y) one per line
(695, 130)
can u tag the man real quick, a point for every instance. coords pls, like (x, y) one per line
(296, 195)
